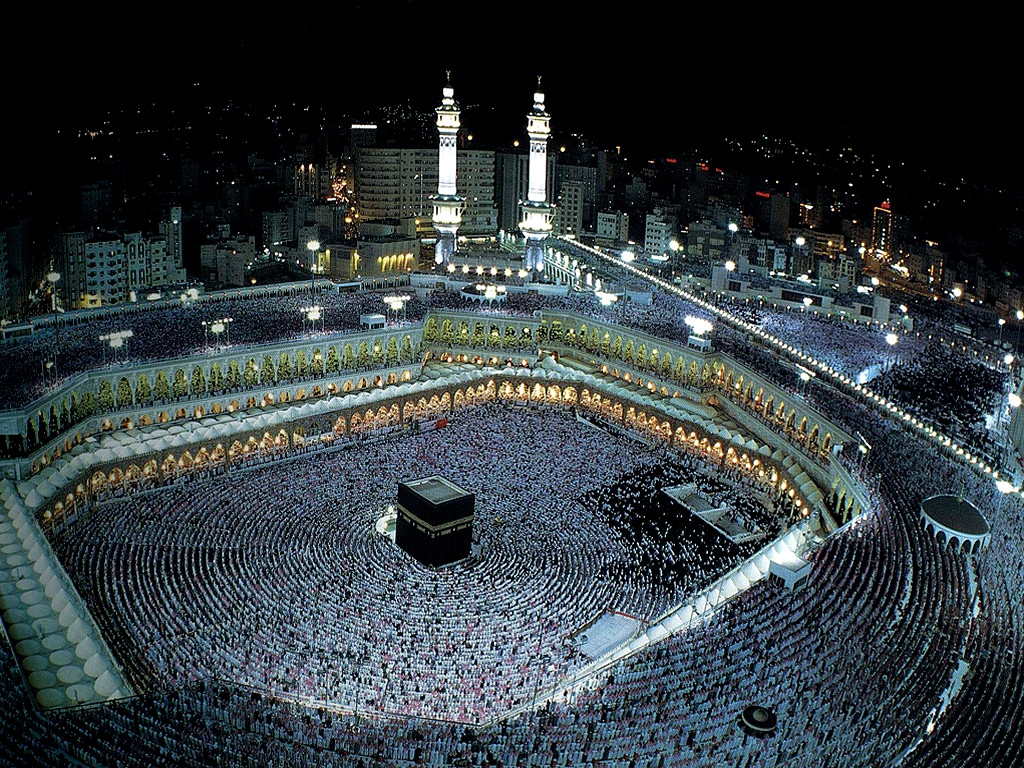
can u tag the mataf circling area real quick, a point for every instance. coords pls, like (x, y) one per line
(276, 577)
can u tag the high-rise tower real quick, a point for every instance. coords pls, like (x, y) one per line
(881, 232)
(448, 206)
(537, 212)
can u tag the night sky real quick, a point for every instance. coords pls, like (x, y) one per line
(935, 90)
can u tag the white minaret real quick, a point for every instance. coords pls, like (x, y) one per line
(448, 206)
(537, 211)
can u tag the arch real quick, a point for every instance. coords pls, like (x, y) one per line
(169, 466)
(98, 481)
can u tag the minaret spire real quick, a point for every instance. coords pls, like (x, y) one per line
(448, 205)
(537, 211)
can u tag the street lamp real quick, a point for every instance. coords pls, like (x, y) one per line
(628, 257)
(313, 246)
(1002, 322)
(312, 314)
(397, 302)
(1020, 317)
(52, 278)
(216, 327)
(117, 340)
(891, 339)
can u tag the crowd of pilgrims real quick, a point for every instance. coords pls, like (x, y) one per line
(859, 665)
(276, 577)
(907, 373)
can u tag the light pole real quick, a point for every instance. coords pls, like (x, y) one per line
(395, 303)
(217, 327)
(1020, 317)
(312, 314)
(117, 340)
(314, 247)
(1002, 322)
(732, 229)
(628, 257)
(52, 278)
(891, 339)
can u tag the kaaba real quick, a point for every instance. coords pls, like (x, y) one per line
(435, 520)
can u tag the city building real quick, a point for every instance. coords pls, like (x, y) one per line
(395, 183)
(661, 229)
(584, 182)
(569, 212)
(881, 232)
(99, 268)
(227, 260)
(511, 184)
(705, 241)
(17, 275)
(612, 228)
(382, 249)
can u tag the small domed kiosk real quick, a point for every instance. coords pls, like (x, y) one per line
(954, 521)
(757, 721)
